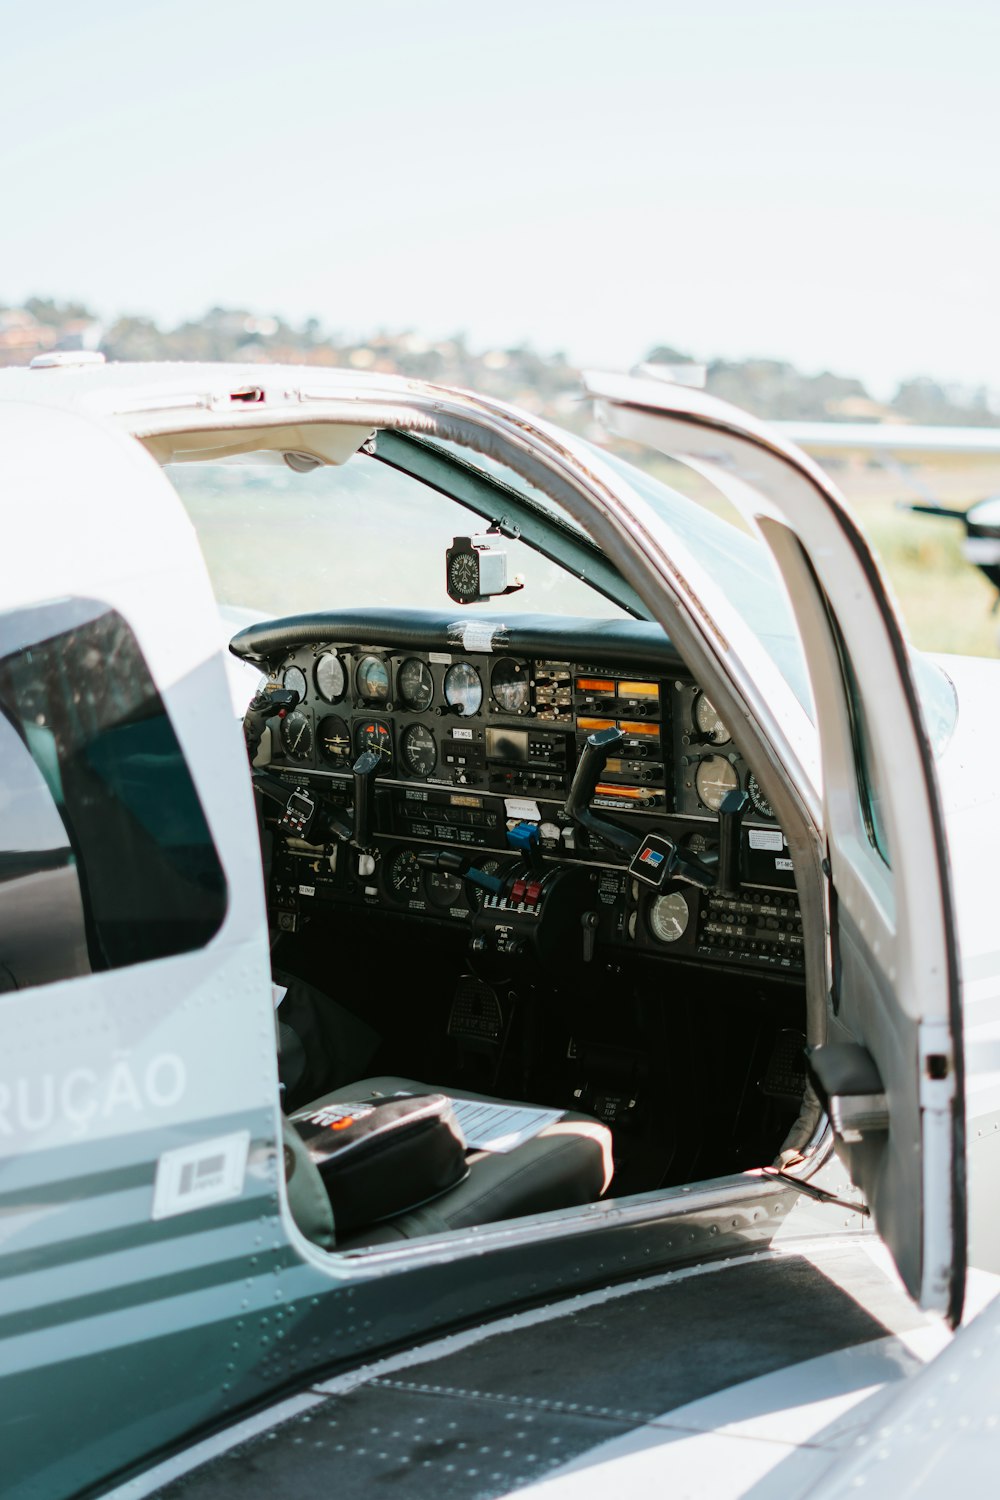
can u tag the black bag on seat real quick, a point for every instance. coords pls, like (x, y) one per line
(381, 1157)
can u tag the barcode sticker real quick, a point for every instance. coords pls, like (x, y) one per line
(192, 1177)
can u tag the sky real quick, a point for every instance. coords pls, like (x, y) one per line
(797, 179)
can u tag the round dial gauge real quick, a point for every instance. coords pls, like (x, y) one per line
(331, 679)
(418, 750)
(462, 688)
(510, 685)
(373, 735)
(669, 916)
(415, 685)
(405, 875)
(715, 777)
(757, 797)
(463, 575)
(488, 867)
(295, 680)
(445, 888)
(297, 736)
(707, 721)
(372, 678)
(334, 740)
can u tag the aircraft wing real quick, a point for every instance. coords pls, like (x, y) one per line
(899, 441)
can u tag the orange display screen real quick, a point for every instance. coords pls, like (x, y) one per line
(589, 725)
(626, 793)
(595, 685)
(641, 727)
(638, 690)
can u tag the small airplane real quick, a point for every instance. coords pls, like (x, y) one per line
(902, 448)
(525, 1015)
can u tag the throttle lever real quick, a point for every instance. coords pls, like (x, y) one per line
(734, 805)
(366, 768)
(455, 864)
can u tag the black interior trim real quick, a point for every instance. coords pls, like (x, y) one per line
(642, 643)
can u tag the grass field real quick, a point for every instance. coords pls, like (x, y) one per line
(945, 602)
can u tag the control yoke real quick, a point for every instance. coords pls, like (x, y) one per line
(656, 857)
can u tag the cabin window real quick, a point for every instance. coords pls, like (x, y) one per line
(106, 858)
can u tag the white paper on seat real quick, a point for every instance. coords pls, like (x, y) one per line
(500, 1127)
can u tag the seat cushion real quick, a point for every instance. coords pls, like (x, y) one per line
(566, 1165)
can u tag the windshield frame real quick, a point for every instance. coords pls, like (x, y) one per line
(562, 542)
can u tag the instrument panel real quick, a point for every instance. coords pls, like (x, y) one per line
(475, 745)
(504, 723)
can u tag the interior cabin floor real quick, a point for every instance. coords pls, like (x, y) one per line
(647, 1367)
(697, 1072)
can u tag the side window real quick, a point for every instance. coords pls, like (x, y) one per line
(106, 858)
(869, 791)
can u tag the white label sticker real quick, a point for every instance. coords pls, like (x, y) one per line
(521, 809)
(766, 838)
(461, 734)
(192, 1177)
(783, 864)
(500, 1127)
(307, 890)
(478, 635)
(439, 658)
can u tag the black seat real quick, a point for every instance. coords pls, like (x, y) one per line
(566, 1165)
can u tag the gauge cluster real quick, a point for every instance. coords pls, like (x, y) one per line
(473, 746)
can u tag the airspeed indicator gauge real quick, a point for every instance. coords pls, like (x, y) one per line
(295, 680)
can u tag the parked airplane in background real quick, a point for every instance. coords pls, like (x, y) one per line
(627, 924)
(902, 448)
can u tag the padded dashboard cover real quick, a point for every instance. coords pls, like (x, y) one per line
(378, 1158)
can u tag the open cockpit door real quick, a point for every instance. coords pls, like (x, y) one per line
(890, 1068)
